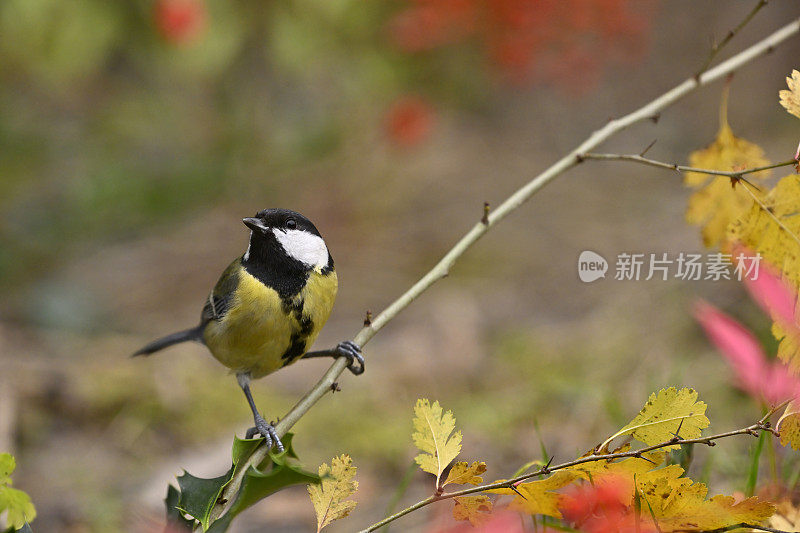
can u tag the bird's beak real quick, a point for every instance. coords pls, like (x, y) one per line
(254, 224)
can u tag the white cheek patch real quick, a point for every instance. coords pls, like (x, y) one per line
(303, 246)
(247, 253)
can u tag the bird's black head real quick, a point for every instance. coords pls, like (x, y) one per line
(284, 247)
(282, 219)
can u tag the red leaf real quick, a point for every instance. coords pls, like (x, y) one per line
(737, 345)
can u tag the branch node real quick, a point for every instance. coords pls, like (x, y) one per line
(368, 319)
(655, 118)
(335, 387)
(485, 217)
(579, 158)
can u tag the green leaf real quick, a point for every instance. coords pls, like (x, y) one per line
(174, 515)
(7, 466)
(18, 507)
(257, 484)
(198, 495)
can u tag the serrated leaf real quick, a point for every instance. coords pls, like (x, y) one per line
(666, 414)
(772, 231)
(17, 505)
(790, 98)
(330, 495)
(174, 515)
(7, 466)
(198, 495)
(789, 425)
(476, 509)
(716, 203)
(536, 497)
(631, 468)
(464, 473)
(257, 485)
(435, 437)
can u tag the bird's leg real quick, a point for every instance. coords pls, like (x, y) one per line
(347, 349)
(262, 427)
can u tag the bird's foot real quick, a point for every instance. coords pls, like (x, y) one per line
(352, 351)
(267, 431)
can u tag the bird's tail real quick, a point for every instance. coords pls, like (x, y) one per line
(193, 334)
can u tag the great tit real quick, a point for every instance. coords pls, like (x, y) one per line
(268, 306)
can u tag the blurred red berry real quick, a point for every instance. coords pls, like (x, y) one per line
(409, 121)
(519, 36)
(180, 22)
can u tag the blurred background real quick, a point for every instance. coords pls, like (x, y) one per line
(134, 136)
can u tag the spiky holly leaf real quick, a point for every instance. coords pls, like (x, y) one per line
(537, 497)
(464, 473)
(273, 474)
(669, 413)
(717, 202)
(174, 515)
(15, 503)
(790, 98)
(772, 231)
(330, 495)
(198, 495)
(434, 435)
(476, 509)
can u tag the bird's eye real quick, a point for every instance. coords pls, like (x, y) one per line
(291, 223)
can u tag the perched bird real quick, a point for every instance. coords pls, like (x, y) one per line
(269, 305)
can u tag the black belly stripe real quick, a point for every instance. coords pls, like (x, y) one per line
(297, 342)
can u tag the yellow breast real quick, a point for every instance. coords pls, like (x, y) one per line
(262, 332)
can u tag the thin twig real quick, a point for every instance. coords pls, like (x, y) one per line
(735, 174)
(754, 429)
(734, 527)
(523, 194)
(731, 34)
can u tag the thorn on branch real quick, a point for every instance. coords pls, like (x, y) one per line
(335, 387)
(368, 319)
(641, 154)
(485, 217)
(514, 488)
(546, 468)
(655, 118)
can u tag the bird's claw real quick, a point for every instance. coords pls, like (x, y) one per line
(267, 431)
(352, 352)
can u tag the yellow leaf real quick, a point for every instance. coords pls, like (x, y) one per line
(773, 233)
(790, 98)
(329, 496)
(476, 509)
(786, 517)
(537, 496)
(789, 425)
(717, 202)
(464, 473)
(679, 504)
(671, 412)
(434, 436)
